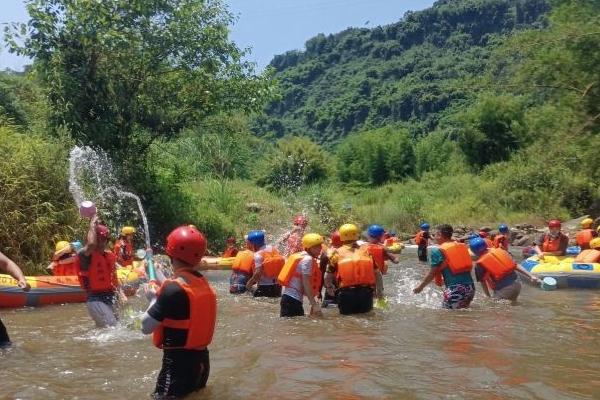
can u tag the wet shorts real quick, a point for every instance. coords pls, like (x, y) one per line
(237, 282)
(355, 300)
(102, 309)
(459, 295)
(183, 372)
(422, 253)
(290, 307)
(267, 291)
(510, 292)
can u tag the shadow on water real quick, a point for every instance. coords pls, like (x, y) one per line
(543, 348)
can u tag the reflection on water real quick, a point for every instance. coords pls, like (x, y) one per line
(543, 348)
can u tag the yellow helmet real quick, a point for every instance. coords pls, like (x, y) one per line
(348, 232)
(312, 239)
(61, 245)
(587, 222)
(595, 243)
(128, 230)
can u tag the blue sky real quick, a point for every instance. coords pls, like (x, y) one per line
(272, 27)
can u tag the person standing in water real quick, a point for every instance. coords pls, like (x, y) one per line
(451, 265)
(11, 268)
(292, 240)
(266, 267)
(553, 243)
(182, 317)
(98, 276)
(231, 249)
(124, 247)
(422, 240)
(301, 277)
(497, 270)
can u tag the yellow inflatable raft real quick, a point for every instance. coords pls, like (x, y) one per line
(216, 263)
(395, 248)
(567, 273)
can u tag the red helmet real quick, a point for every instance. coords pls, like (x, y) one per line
(336, 241)
(554, 223)
(300, 220)
(102, 231)
(483, 234)
(187, 244)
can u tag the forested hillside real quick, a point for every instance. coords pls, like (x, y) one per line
(411, 71)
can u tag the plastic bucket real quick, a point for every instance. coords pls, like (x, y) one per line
(549, 283)
(87, 209)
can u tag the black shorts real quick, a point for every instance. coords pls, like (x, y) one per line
(355, 300)
(290, 307)
(183, 372)
(4, 339)
(267, 291)
(422, 253)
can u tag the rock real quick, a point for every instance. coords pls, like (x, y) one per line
(525, 240)
(253, 207)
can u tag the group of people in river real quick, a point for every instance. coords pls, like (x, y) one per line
(345, 271)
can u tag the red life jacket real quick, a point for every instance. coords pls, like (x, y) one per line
(200, 325)
(289, 271)
(420, 239)
(498, 264)
(588, 256)
(272, 262)
(551, 245)
(244, 262)
(124, 251)
(101, 274)
(501, 241)
(456, 258)
(377, 252)
(66, 266)
(583, 238)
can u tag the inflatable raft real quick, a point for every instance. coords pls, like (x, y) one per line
(395, 248)
(48, 289)
(567, 273)
(216, 263)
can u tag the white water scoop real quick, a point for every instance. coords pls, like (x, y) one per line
(549, 283)
(87, 209)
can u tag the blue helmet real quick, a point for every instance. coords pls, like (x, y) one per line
(257, 238)
(375, 231)
(425, 226)
(503, 228)
(477, 245)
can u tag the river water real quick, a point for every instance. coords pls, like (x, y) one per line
(546, 347)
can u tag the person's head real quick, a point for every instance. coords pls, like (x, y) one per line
(60, 246)
(230, 241)
(127, 232)
(102, 236)
(586, 223)
(503, 228)
(375, 232)
(595, 243)
(424, 226)
(256, 239)
(443, 233)
(312, 244)
(554, 226)
(478, 246)
(185, 246)
(300, 221)
(348, 233)
(336, 241)
(483, 234)
(393, 233)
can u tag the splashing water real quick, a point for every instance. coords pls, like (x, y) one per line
(92, 177)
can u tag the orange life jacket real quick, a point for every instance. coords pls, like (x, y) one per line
(588, 256)
(551, 245)
(583, 238)
(488, 243)
(420, 240)
(498, 264)
(124, 252)
(377, 251)
(101, 274)
(356, 269)
(203, 312)
(272, 262)
(289, 271)
(501, 241)
(244, 262)
(230, 252)
(66, 266)
(456, 258)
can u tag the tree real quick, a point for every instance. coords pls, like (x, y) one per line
(120, 73)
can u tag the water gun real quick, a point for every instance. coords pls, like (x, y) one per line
(151, 271)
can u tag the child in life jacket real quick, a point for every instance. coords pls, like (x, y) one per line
(380, 255)
(586, 234)
(502, 239)
(267, 263)
(182, 317)
(292, 240)
(553, 243)
(422, 241)
(497, 270)
(231, 249)
(451, 265)
(65, 262)
(301, 277)
(354, 270)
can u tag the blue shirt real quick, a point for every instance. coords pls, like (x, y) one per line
(436, 258)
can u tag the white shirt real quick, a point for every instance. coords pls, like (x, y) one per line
(295, 287)
(258, 262)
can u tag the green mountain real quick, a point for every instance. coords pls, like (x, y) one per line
(408, 72)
